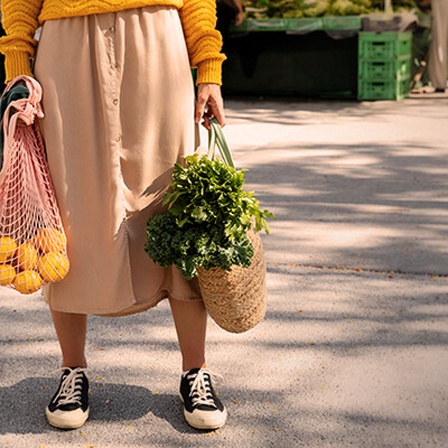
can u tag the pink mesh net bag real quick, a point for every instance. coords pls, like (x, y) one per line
(32, 239)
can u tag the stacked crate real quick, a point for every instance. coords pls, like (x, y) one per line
(384, 65)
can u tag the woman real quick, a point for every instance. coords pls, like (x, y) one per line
(228, 12)
(119, 112)
(438, 49)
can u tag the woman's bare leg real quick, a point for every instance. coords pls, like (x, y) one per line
(71, 331)
(190, 319)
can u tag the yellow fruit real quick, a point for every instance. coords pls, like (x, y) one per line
(27, 256)
(27, 282)
(7, 248)
(7, 274)
(50, 240)
(53, 266)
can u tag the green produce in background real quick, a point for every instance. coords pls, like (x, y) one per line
(350, 7)
(315, 8)
(264, 9)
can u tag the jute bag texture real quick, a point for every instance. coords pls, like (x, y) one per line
(235, 299)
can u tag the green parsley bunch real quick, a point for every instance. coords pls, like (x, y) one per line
(208, 216)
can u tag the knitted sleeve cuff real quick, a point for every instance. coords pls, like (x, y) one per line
(210, 71)
(16, 64)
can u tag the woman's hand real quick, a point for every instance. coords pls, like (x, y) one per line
(239, 18)
(209, 104)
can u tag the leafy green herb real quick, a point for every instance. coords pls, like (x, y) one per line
(207, 219)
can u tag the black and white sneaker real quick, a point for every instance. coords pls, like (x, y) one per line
(69, 407)
(202, 408)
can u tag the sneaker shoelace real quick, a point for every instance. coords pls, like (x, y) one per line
(70, 391)
(200, 392)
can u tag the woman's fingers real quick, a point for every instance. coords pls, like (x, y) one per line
(209, 104)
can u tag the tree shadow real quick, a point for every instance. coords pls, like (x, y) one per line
(381, 205)
(284, 111)
(329, 303)
(23, 405)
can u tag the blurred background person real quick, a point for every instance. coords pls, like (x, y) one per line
(439, 45)
(228, 12)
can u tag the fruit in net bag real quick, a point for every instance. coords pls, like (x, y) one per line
(27, 257)
(50, 240)
(7, 274)
(53, 266)
(32, 239)
(27, 282)
(8, 248)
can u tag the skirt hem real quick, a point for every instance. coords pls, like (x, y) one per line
(127, 311)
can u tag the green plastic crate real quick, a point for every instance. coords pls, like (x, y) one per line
(384, 46)
(383, 90)
(394, 69)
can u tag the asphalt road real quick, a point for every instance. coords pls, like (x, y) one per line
(354, 348)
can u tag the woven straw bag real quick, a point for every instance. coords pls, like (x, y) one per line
(236, 299)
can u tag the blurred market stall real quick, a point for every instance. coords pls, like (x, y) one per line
(312, 47)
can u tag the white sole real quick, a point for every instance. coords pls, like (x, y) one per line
(67, 420)
(203, 419)
(199, 423)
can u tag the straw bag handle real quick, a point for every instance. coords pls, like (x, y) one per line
(216, 139)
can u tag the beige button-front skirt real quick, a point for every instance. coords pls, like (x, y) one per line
(119, 112)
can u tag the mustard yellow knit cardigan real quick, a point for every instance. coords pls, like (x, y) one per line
(21, 19)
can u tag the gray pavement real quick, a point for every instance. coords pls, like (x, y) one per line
(354, 348)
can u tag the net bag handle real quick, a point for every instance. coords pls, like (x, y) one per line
(26, 110)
